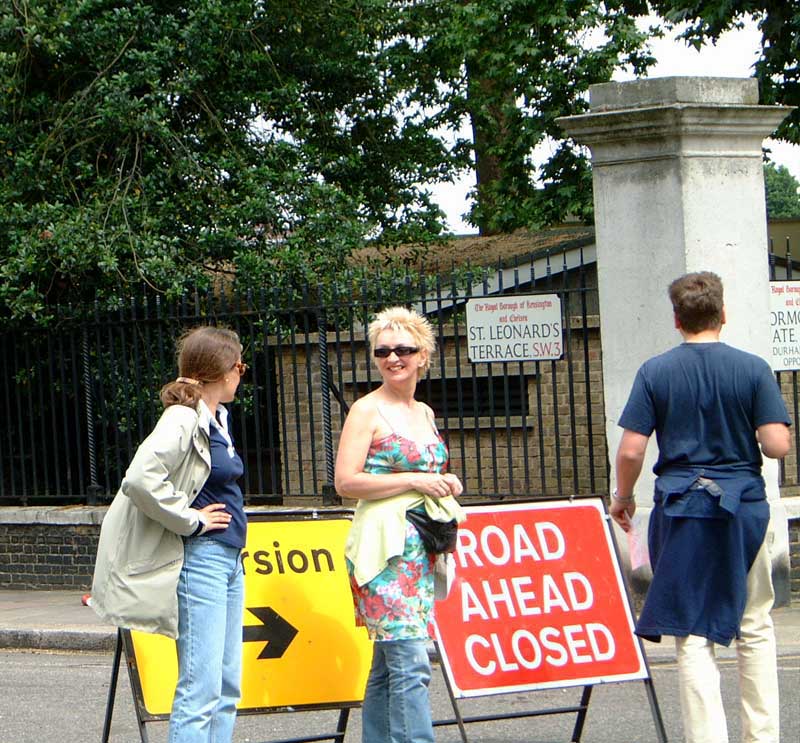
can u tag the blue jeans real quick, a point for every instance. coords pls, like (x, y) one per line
(396, 706)
(210, 608)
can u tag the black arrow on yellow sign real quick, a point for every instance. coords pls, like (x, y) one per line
(274, 630)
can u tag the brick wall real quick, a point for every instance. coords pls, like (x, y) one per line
(794, 559)
(42, 556)
(47, 548)
(489, 455)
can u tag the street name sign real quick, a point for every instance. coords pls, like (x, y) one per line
(784, 324)
(514, 328)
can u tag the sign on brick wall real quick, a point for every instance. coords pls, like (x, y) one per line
(784, 322)
(519, 328)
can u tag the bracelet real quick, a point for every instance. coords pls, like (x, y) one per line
(615, 496)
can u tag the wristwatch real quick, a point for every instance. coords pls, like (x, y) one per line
(618, 497)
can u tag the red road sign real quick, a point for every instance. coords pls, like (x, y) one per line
(538, 602)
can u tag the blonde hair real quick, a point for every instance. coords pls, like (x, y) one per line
(205, 354)
(409, 321)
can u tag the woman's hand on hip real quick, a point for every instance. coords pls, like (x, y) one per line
(214, 516)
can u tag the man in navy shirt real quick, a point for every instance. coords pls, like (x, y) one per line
(715, 410)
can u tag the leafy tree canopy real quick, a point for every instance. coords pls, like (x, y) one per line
(783, 192)
(778, 67)
(154, 142)
(146, 141)
(512, 67)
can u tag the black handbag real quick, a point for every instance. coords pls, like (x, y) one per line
(437, 536)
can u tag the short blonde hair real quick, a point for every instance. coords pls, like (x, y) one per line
(410, 321)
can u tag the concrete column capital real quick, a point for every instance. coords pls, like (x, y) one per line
(674, 117)
(674, 130)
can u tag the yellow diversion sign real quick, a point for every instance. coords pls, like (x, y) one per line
(301, 647)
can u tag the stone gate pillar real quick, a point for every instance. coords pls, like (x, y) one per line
(678, 187)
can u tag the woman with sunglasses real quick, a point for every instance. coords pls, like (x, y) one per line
(391, 459)
(169, 556)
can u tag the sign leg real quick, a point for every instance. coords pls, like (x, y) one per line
(133, 676)
(661, 731)
(453, 701)
(577, 731)
(341, 728)
(658, 721)
(112, 687)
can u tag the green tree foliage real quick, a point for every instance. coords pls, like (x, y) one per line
(778, 67)
(783, 192)
(511, 67)
(153, 141)
(160, 142)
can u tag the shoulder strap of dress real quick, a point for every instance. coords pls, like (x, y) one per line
(432, 420)
(385, 417)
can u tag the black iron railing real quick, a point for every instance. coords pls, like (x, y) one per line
(82, 393)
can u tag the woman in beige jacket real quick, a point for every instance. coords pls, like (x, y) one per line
(169, 556)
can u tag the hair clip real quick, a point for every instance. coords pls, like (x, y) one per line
(189, 380)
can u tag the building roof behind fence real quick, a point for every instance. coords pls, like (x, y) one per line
(476, 250)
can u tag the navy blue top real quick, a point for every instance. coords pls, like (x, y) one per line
(705, 402)
(222, 487)
(700, 566)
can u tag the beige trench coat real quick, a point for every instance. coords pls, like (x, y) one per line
(140, 553)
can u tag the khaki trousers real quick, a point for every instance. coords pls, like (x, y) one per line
(699, 679)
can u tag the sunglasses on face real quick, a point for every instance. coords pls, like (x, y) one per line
(240, 367)
(382, 352)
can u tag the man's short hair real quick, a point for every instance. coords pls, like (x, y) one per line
(697, 301)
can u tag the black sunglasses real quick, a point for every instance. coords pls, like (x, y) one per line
(383, 352)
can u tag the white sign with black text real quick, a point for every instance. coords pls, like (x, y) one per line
(523, 328)
(784, 324)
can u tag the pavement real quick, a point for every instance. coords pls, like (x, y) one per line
(52, 620)
(58, 621)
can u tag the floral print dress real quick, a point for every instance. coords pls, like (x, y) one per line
(398, 603)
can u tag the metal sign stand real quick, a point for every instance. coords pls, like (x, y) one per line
(580, 709)
(655, 710)
(112, 688)
(143, 717)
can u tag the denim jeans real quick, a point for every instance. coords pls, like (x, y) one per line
(396, 705)
(210, 608)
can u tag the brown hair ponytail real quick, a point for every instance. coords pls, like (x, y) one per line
(205, 354)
